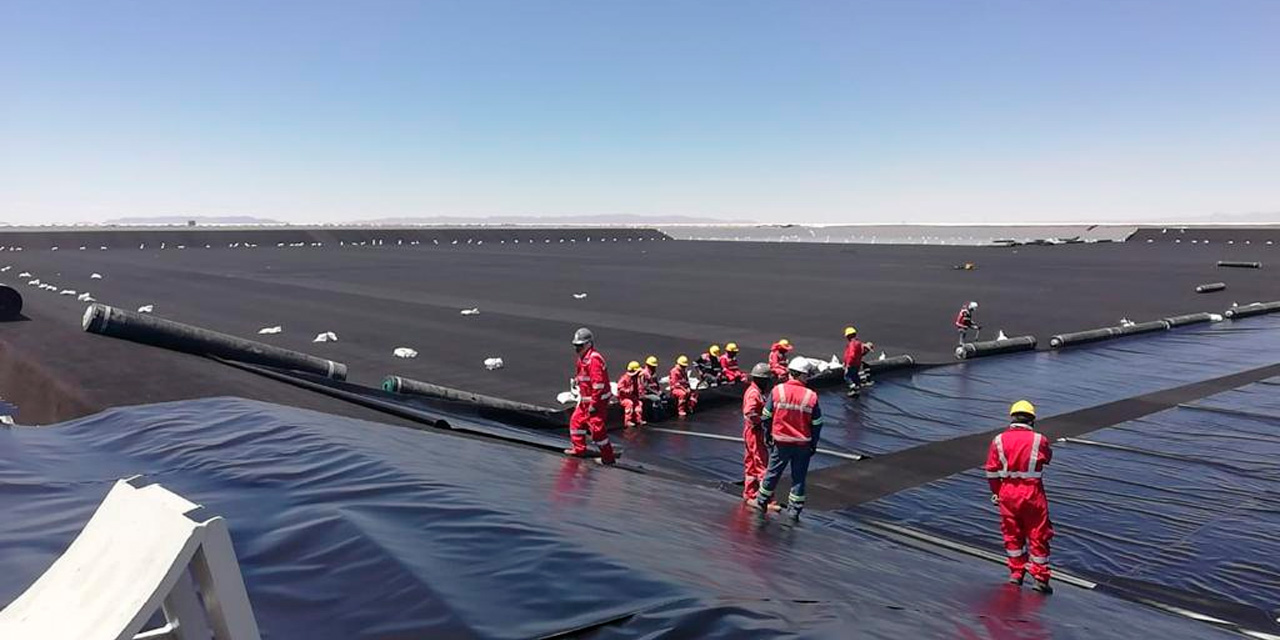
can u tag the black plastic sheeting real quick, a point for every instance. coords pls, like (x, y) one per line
(348, 529)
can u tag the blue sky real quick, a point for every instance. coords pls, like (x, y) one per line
(889, 111)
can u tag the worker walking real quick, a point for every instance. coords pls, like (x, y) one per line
(686, 397)
(1015, 470)
(593, 399)
(756, 454)
(854, 367)
(792, 423)
(965, 322)
(629, 396)
(729, 367)
(778, 358)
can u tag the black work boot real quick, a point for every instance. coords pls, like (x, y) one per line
(1042, 586)
(1016, 578)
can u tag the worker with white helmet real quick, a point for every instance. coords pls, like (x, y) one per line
(1015, 469)
(792, 423)
(965, 322)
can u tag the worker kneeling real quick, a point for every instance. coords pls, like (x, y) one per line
(1015, 466)
(792, 423)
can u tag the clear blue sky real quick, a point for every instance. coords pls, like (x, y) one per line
(896, 110)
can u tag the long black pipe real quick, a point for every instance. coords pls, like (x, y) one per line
(1239, 264)
(1142, 327)
(1190, 318)
(158, 332)
(409, 386)
(1082, 337)
(1211, 287)
(10, 303)
(992, 347)
(1255, 309)
(896, 362)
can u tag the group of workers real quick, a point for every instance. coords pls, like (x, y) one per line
(782, 425)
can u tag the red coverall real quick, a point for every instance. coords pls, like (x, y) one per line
(686, 398)
(1015, 464)
(731, 371)
(964, 319)
(778, 361)
(629, 392)
(593, 405)
(649, 381)
(853, 354)
(756, 455)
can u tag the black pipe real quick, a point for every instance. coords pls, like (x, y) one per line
(1211, 287)
(1142, 327)
(1255, 309)
(896, 362)
(10, 303)
(158, 332)
(1239, 264)
(993, 347)
(409, 386)
(1082, 337)
(1190, 318)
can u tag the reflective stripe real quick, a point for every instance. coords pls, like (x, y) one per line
(601, 443)
(803, 407)
(994, 474)
(1040, 559)
(598, 385)
(782, 438)
(795, 498)
(817, 422)
(1004, 463)
(1035, 453)
(1015, 553)
(765, 492)
(577, 432)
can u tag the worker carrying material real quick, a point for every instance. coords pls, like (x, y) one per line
(965, 323)
(685, 396)
(756, 454)
(1015, 470)
(729, 368)
(792, 423)
(778, 358)
(855, 370)
(709, 366)
(630, 392)
(593, 399)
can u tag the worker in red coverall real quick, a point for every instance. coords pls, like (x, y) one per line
(1015, 466)
(686, 397)
(593, 400)
(629, 396)
(756, 455)
(854, 351)
(778, 358)
(729, 364)
(965, 322)
(792, 423)
(650, 390)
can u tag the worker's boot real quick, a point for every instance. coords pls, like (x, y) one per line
(1042, 586)
(575, 453)
(1016, 578)
(853, 391)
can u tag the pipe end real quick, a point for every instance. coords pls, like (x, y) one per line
(337, 371)
(391, 384)
(961, 353)
(1055, 342)
(95, 317)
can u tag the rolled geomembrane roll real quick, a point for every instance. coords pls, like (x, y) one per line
(1255, 309)
(158, 332)
(10, 303)
(1239, 265)
(896, 362)
(1082, 337)
(1211, 287)
(1190, 318)
(408, 386)
(992, 347)
(1142, 327)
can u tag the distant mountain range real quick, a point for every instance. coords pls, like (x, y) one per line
(613, 219)
(148, 220)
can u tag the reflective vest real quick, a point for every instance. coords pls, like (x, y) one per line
(964, 319)
(854, 352)
(593, 377)
(1018, 454)
(792, 411)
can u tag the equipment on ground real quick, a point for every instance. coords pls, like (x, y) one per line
(1239, 264)
(800, 365)
(1211, 287)
(1253, 309)
(10, 303)
(970, 350)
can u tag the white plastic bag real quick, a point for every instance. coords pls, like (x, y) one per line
(405, 352)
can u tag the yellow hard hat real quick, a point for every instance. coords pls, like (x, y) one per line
(683, 361)
(651, 361)
(1022, 406)
(850, 331)
(784, 343)
(633, 366)
(714, 350)
(732, 347)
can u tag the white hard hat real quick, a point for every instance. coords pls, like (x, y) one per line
(973, 305)
(800, 365)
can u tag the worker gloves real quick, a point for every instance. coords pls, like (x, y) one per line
(995, 499)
